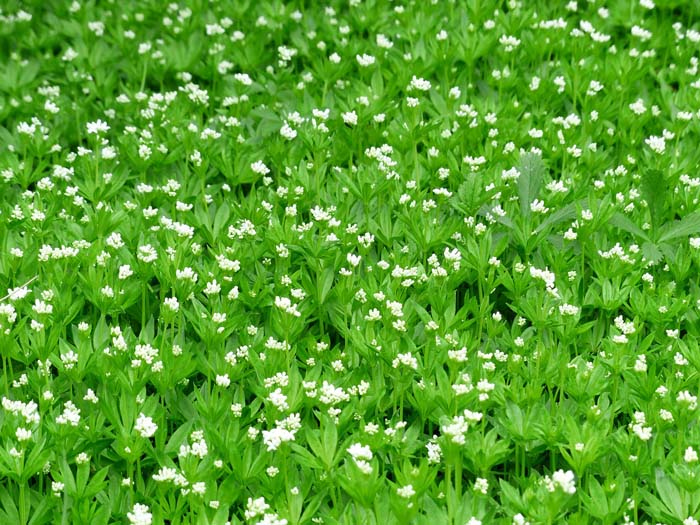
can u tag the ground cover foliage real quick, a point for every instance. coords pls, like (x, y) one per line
(349, 262)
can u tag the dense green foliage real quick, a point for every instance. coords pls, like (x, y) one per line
(361, 262)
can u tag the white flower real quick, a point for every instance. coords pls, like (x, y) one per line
(406, 491)
(97, 127)
(23, 434)
(419, 83)
(255, 507)
(42, 307)
(145, 426)
(519, 519)
(434, 452)
(481, 485)
(537, 206)
(638, 107)
(688, 399)
(358, 451)
(288, 132)
(384, 42)
(565, 480)
(641, 33)
(259, 168)
(350, 118)
(70, 415)
(171, 303)
(568, 309)
(125, 272)
(657, 144)
(243, 78)
(365, 60)
(406, 359)
(275, 437)
(146, 253)
(140, 515)
(509, 42)
(278, 399)
(456, 430)
(642, 432)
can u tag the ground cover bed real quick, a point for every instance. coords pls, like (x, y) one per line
(349, 262)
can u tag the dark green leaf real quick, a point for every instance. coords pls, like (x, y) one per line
(530, 180)
(670, 495)
(651, 252)
(566, 213)
(654, 189)
(620, 221)
(689, 225)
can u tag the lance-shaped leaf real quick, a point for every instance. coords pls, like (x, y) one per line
(654, 188)
(688, 225)
(624, 223)
(530, 180)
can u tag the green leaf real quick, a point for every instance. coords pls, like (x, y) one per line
(654, 189)
(566, 213)
(686, 226)
(330, 441)
(439, 102)
(41, 509)
(600, 500)
(515, 420)
(325, 283)
(655, 507)
(304, 457)
(618, 497)
(9, 507)
(221, 219)
(314, 441)
(28, 73)
(82, 477)
(511, 496)
(68, 479)
(620, 221)
(651, 252)
(100, 335)
(377, 83)
(36, 460)
(312, 506)
(670, 495)
(97, 483)
(469, 195)
(221, 517)
(530, 180)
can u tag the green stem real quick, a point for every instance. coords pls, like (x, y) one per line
(143, 305)
(458, 482)
(143, 77)
(449, 495)
(634, 498)
(138, 471)
(22, 503)
(6, 372)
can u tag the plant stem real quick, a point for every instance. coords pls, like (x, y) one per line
(22, 503)
(449, 495)
(458, 481)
